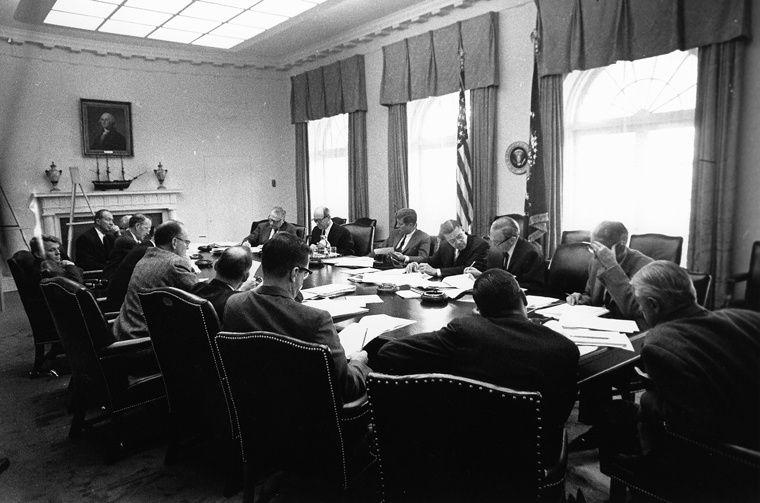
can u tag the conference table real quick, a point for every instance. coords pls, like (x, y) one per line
(433, 316)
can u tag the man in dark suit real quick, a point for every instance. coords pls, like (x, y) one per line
(337, 235)
(458, 250)
(515, 255)
(266, 230)
(139, 227)
(408, 242)
(95, 245)
(232, 270)
(119, 283)
(500, 346)
(108, 138)
(272, 307)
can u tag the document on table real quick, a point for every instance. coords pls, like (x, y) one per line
(350, 261)
(399, 277)
(355, 336)
(338, 307)
(573, 320)
(384, 251)
(558, 311)
(537, 301)
(327, 291)
(454, 286)
(586, 337)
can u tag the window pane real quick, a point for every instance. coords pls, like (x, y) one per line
(328, 164)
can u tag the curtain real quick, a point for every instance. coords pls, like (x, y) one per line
(583, 34)
(482, 143)
(358, 186)
(553, 135)
(715, 161)
(302, 174)
(398, 161)
(334, 89)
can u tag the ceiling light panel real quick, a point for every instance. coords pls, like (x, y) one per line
(123, 28)
(169, 35)
(141, 16)
(215, 12)
(258, 19)
(242, 4)
(73, 20)
(85, 8)
(191, 24)
(288, 8)
(218, 42)
(236, 31)
(170, 6)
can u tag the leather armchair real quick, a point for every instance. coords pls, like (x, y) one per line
(658, 246)
(288, 408)
(442, 437)
(568, 270)
(751, 277)
(117, 376)
(690, 470)
(577, 236)
(363, 236)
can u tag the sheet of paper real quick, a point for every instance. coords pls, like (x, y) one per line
(537, 301)
(459, 281)
(356, 335)
(408, 294)
(351, 261)
(327, 291)
(586, 337)
(363, 270)
(400, 278)
(561, 309)
(383, 251)
(337, 307)
(573, 320)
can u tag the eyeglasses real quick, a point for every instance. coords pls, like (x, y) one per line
(186, 241)
(317, 220)
(304, 270)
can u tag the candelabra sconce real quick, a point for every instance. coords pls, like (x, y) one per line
(54, 175)
(160, 175)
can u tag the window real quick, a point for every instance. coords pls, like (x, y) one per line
(629, 144)
(432, 124)
(328, 164)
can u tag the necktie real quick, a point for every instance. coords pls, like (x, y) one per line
(271, 233)
(400, 244)
(506, 261)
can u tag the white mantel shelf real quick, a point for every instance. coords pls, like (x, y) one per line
(55, 205)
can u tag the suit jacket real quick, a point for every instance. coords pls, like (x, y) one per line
(511, 351)
(527, 264)
(704, 366)
(113, 140)
(215, 291)
(339, 237)
(475, 253)
(616, 281)
(272, 309)
(417, 248)
(92, 253)
(119, 282)
(260, 235)
(121, 247)
(158, 267)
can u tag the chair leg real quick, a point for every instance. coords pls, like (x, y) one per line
(114, 444)
(78, 407)
(39, 358)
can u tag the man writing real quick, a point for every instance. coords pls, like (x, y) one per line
(458, 250)
(272, 307)
(337, 235)
(266, 230)
(514, 254)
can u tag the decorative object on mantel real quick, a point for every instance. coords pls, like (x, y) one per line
(54, 175)
(160, 175)
(109, 184)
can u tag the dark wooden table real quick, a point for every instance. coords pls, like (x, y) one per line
(431, 317)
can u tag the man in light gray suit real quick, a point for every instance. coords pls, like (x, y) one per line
(163, 265)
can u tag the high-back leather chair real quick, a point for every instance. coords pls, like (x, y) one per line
(658, 246)
(751, 298)
(363, 236)
(103, 371)
(568, 270)
(441, 437)
(182, 328)
(43, 330)
(576, 236)
(300, 231)
(287, 403)
(256, 223)
(702, 283)
(692, 470)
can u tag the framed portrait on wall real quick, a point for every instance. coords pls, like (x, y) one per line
(106, 128)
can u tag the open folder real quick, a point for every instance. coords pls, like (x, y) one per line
(355, 336)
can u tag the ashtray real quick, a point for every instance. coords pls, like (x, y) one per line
(203, 263)
(434, 296)
(387, 288)
(205, 248)
(196, 256)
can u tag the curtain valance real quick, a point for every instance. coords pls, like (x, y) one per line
(583, 34)
(428, 64)
(337, 88)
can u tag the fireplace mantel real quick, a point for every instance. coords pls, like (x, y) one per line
(55, 205)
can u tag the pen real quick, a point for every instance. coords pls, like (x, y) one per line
(365, 337)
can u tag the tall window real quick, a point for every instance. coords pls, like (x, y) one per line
(328, 164)
(432, 124)
(629, 139)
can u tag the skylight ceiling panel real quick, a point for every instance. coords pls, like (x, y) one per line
(236, 31)
(288, 8)
(242, 4)
(218, 42)
(73, 20)
(124, 28)
(141, 16)
(214, 12)
(85, 8)
(169, 35)
(258, 19)
(191, 24)
(169, 6)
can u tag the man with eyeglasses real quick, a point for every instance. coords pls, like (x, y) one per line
(166, 264)
(139, 227)
(516, 255)
(266, 230)
(457, 251)
(337, 235)
(273, 307)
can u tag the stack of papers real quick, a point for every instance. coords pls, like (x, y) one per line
(327, 291)
(355, 336)
(588, 337)
(350, 261)
(537, 301)
(344, 306)
(558, 311)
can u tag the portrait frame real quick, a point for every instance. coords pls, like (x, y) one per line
(517, 156)
(115, 143)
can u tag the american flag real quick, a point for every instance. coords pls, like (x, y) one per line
(464, 170)
(536, 207)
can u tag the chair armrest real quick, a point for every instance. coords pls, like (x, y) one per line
(557, 471)
(120, 348)
(731, 283)
(354, 410)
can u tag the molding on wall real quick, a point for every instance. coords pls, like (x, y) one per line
(177, 55)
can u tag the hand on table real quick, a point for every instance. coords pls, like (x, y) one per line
(412, 267)
(574, 298)
(427, 269)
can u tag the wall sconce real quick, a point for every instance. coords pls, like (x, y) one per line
(54, 175)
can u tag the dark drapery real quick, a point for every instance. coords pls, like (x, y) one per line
(358, 186)
(398, 161)
(302, 174)
(483, 148)
(583, 34)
